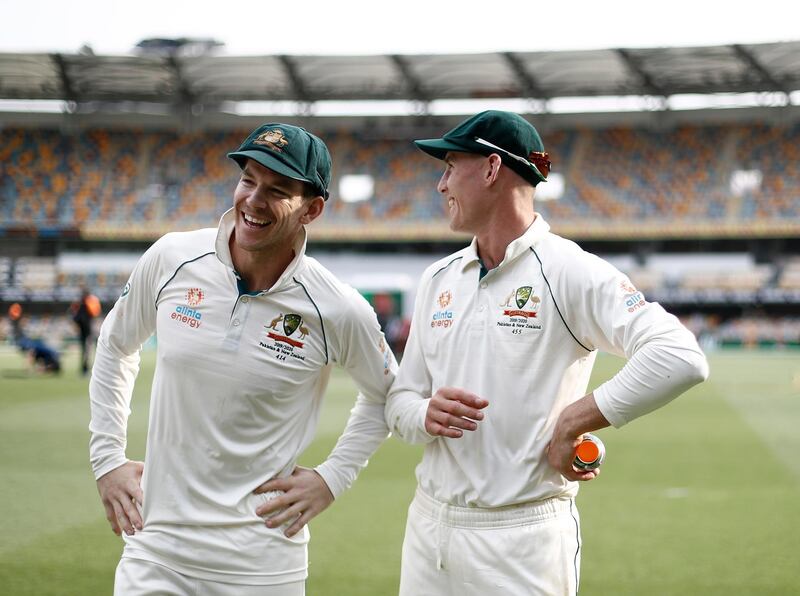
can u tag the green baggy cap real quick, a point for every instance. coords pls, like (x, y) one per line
(288, 150)
(507, 134)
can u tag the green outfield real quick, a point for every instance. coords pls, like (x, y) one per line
(701, 497)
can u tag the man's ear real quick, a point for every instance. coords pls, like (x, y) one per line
(493, 168)
(314, 208)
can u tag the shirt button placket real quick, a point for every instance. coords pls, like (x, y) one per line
(478, 324)
(234, 334)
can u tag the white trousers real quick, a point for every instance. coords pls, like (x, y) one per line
(136, 577)
(526, 550)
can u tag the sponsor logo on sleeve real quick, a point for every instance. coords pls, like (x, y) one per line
(126, 290)
(632, 297)
(386, 354)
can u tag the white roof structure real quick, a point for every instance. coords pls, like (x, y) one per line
(209, 80)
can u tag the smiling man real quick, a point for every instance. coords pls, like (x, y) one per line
(495, 373)
(248, 329)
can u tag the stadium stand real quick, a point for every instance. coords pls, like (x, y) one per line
(789, 278)
(129, 159)
(120, 181)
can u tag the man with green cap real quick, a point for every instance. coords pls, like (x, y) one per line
(248, 329)
(495, 374)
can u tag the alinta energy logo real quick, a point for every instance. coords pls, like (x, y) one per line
(283, 343)
(634, 299)
(187, 315)
(386, 354)
(521, 306)
(194, 296)
(443, 317)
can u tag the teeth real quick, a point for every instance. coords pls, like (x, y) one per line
(252, 219)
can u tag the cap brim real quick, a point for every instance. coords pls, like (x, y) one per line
(268, 161)
(438, 148)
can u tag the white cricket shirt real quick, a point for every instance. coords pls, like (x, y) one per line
(235, 400)
(525, 337)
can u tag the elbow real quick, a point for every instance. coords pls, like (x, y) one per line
(391, 418)
(704, 370)
(393, 423)
(387, 414)
(697, 369)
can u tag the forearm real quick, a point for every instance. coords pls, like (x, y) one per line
(580, 417)
(655, 375)
(110, 392)
(405, 415)
(365, 430)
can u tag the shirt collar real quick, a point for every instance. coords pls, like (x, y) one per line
(223, 249)
(531, 237)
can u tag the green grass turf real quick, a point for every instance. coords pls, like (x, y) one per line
(700, 497)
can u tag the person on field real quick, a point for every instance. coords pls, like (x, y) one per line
(248, 330)
(84, 313)
(42, 358)
(493, 380)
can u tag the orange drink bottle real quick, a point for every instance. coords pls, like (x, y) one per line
(589, 453)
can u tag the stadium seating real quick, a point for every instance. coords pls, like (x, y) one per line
(789, 278)
(138, 184)
(124, 180)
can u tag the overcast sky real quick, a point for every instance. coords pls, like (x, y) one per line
(403, 26)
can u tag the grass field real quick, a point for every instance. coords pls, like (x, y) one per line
(701, 497)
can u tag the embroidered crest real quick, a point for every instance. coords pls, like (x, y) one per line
(522, 296)
(274, 139)
(291, 323)
(520, 310)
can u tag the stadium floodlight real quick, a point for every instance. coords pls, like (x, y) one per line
(745, 181)
(551, 190)
(718, 101)
(44, 106)
(354, 188)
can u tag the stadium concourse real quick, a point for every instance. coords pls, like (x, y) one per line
(701, 208)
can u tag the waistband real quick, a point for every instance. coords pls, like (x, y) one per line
(498, 517)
